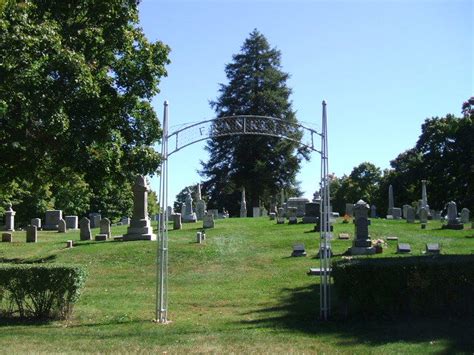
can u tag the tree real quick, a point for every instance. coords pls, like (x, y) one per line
(468, 108)
(444, 156)
(447, 148)
(263, 165)
(362, 183)
(153, 207)
(76, 80)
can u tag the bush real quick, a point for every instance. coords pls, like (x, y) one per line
(45, 291)
(421, 286)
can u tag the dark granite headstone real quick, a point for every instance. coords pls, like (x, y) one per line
(7, 238)
(31, 234)
(312, 212)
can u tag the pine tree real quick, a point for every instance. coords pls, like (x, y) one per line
(263, 165)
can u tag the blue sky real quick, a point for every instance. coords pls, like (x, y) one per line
(382, 66)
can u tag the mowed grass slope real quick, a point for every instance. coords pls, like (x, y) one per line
(239, 292)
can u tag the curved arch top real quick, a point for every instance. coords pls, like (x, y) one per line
(244, 125)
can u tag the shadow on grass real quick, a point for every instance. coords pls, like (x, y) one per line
(28, 261)
(299, 311)
(93, 242)
(16, 321)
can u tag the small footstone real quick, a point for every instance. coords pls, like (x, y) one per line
(199, 237)
(403, 248)
(101, 237)
(344, 236)
(433, 248)
(69, 244)
(392, 238)
(315, 271)
(298, 250)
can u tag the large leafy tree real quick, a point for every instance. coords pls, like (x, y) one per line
(263, 165)
(362, 183)
(444, 156)
(76, 80)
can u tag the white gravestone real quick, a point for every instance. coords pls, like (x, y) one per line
(9, 218)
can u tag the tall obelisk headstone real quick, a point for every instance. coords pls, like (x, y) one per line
(424, 199)
(390, 200)
(243, 205)
(140, 228)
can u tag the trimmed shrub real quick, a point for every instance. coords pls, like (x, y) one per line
(46, 291)
(421, 286)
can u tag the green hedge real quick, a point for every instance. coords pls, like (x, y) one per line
(46, 291)
(421, 286)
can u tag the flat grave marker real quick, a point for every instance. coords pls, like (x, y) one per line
(433, 248)
(344, 236)
(298, 250)
(403, 248)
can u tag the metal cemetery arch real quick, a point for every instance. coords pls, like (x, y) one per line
(240, 125)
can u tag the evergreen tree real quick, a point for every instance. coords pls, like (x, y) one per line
(263, 165)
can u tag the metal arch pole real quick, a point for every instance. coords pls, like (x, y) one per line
(162, 262)
(325, 254)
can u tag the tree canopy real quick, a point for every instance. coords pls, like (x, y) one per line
(76, 122)
(263, 165)
(443, 155)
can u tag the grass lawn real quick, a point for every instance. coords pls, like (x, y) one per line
(239, 292)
